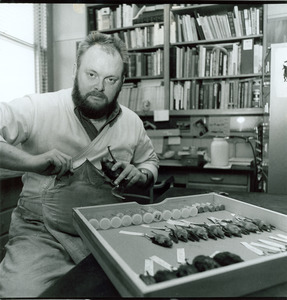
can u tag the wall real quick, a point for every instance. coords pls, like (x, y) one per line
(277, 34)
(69, 26)
(277, 24)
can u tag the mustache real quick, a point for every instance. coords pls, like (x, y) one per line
(96, 94)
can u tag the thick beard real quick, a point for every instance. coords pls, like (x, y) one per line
(87, 108)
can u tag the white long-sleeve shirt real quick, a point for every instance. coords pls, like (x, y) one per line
(42, 122)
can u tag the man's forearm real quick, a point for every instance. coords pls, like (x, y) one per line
(52, 162)
(13, 158)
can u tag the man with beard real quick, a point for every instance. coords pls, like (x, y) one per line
(64, 136)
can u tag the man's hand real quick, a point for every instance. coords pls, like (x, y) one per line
(53, 162)
(130, 174)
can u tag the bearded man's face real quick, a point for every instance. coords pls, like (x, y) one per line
(98, 82)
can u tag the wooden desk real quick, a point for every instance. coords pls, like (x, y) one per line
(88, 280)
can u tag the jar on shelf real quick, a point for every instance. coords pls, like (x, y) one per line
(219, 151)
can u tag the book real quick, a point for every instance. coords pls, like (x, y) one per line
(237, 18)
(258, 53)
(201, 96)
(132, 65)
(103, 18)
(207, 63)
(201, 60)
(171, 96)
(179, 29)
(172, 60)
(184, 32)
(198, 26)
(242, 20)
(91, 19)
(247, 21)
(133, 99)
(205, 27)
(247, 57)
(119, 14)
(172, 32)
(193, 94)
(231, 23)
(186, 95)
(149, 17)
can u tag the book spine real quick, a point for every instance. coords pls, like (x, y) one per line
(231, 23)
(247, 57)
(199, 26)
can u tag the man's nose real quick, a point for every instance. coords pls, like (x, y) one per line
(100, 85)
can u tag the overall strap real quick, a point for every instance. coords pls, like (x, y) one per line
(90, 129)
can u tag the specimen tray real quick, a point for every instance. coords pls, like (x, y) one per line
(123, 256)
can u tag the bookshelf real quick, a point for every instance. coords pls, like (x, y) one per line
(191, 59)
(142, 28)
(216, 54)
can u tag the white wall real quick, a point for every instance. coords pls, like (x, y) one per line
(277, 10)
(69, 26)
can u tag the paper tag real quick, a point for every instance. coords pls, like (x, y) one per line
(278, 239)
(180, 253)
(272, 244)
(265, 246)
(161, 115)
(131, 233)
(179, 223)
(282, 236)
(253, 249)
(174, 140)
(247, 44)
(148, 267)
(161, 262)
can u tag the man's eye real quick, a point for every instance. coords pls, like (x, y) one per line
(92, 75)
(111, 80)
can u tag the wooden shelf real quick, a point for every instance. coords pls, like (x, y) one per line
(216, 77)
(211, 112)
(216, 41)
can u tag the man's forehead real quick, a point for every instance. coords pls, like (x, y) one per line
(104, 51)
(99, 56)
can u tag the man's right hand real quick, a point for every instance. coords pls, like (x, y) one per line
(53, 162)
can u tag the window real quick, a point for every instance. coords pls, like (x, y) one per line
(23, 50)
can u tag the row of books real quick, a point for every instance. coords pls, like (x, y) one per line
(236, 23)
(221, 94)
(216, 60)
(147, 36)
(123, 15)
(146, 64)
(147, 95)
(113, 17)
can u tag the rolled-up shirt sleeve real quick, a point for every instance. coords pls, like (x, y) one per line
(16, 119)
(144, 155)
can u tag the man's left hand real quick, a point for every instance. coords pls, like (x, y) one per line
(130, 174)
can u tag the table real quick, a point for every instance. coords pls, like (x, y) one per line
(88, 280)
(236, 178)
